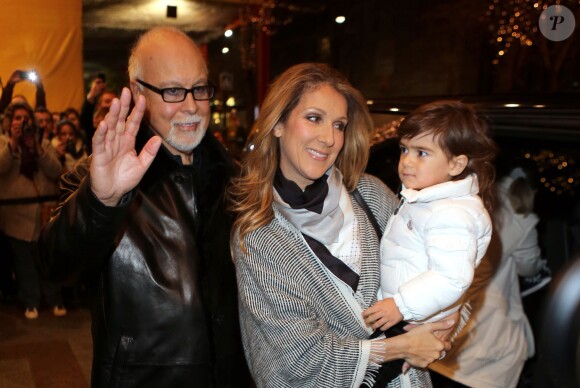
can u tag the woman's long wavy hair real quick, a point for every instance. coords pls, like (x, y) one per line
(251, 194)
(461, 131)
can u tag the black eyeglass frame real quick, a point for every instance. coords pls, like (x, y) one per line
(210, 86)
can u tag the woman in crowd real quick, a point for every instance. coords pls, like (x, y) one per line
(29, 169)
(306, 253)
(69, 145)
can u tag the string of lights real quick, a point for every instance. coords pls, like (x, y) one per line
(516, 22)
(557, 171)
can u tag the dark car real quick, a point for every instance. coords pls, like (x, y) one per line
(542, 134)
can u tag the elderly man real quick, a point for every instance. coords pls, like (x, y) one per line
(147, 225)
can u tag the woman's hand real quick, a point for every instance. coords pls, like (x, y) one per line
(420, 346)
(443, 335)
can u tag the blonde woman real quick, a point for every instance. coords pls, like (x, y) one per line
(306, 254)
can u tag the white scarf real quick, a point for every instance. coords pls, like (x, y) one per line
(324, 227)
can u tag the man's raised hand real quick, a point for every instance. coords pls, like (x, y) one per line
(115, 166)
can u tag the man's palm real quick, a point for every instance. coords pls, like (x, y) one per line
(115, 166)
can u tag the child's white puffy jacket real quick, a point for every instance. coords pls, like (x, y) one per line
(431, 247)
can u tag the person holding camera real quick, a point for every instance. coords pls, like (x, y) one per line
(18, 76)
(29, 168)
(69, 145)
(8, 94)
(98, 98)
(45, 122)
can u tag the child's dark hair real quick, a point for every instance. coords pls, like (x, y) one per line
(460, 131)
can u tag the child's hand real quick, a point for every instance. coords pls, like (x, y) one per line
(383, 314)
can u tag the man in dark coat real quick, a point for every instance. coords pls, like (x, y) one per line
(145, 222)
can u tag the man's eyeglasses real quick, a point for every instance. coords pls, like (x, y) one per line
(199, 93)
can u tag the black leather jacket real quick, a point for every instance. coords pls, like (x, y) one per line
(165, 307)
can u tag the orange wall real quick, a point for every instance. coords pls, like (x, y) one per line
(45, 36)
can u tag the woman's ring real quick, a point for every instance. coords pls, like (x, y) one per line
(443, 354)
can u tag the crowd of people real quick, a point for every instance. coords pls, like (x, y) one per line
(37, 146)
(292, 268)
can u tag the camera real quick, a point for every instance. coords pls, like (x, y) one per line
(102, 76)
(70, 147)
(29, 75)
(27, 128)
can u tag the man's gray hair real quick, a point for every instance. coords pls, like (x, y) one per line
(135, 66)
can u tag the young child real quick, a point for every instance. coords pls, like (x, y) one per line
(441, 229)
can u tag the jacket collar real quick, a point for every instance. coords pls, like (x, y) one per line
(212, 166)
(452, 189)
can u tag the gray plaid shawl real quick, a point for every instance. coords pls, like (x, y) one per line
(298, 328)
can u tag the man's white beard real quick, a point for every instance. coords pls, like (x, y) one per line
(185, 141)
